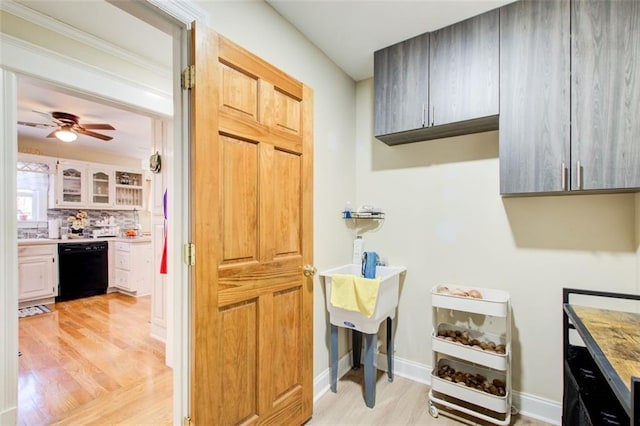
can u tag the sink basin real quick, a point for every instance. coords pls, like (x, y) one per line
(386, 303)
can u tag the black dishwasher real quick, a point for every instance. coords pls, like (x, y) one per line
(83, 270)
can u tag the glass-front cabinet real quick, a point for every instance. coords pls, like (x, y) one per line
(71, 190)
(101, 187)
(97, 186)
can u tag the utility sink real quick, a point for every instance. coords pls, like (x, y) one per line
(386, 303)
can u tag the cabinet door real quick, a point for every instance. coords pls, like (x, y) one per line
(101, 187)
(534, 96)
(71, 185)
(36, 277)
(605, 102)
(463, 70)
(400, 80)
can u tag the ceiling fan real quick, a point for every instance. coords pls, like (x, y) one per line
(68, 126)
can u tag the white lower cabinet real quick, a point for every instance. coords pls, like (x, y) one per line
(132, 267)
(471, 345)
(37, 272)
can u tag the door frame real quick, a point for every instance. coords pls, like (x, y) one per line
(18, 59)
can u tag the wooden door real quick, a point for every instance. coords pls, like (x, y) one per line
(463, 70)
(534, 97)
(605, 94)
(401, 86)
(252, 307)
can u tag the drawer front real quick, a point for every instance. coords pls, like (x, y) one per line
(123, 246)
(38, 250)
(122, 260)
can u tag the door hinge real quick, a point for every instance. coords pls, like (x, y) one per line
(187, 422)
(189, 77)
(189, 254)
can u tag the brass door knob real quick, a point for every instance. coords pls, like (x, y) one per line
(309, 270)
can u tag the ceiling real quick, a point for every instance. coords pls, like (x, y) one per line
(132, 137)
(347, 31)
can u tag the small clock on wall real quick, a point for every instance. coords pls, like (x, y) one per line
(155, 163)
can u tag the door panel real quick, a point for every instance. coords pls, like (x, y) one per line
(239, 354)
(287, 202)
(252, 335)
(239, 171)
(239, 92)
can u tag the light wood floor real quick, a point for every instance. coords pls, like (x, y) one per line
(402, 402)
(92, 361)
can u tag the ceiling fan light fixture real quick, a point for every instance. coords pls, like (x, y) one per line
(65, 134)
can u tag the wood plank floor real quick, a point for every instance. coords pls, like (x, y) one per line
(92, 361)
(400, 403)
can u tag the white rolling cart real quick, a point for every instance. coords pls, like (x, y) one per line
(473, 396)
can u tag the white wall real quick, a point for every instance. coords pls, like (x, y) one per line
(447, 222)
(258, 28)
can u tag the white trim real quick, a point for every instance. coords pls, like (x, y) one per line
(34, 61)
(185, 11)
(528, 405)
(322, 383)
(73, 33)
(8, 252)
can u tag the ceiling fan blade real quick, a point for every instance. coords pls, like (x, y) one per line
(52, 134)
(38, 125)
(98, 126)
(94, 134)
(44, 114)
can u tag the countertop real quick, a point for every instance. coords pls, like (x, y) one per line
(41, 241)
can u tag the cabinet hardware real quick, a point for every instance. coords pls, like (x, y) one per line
(578, 175)
(563, 176)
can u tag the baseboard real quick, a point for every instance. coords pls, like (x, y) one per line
(9, 416)
(528, 405)
(322, 382)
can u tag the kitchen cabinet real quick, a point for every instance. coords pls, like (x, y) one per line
(605, 98)
(129, 189)
(83, 185)
(101, 187)
(37, 272)
(401, 86)
(463, 71)
(132, 267)
(70, 189)
(569, 96)
(439, 84)
(534, 96)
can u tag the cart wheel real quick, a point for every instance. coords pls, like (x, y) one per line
(433, 410)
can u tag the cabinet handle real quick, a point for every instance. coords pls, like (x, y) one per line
(563, 176)
(424, 119)
(578, 175)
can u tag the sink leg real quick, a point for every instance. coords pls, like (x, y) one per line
(356, 343)
(334, 358)
(371, 341)
(390, 349)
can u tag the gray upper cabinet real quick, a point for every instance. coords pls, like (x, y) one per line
(452, 72)
(464, 70)
(534, 96)
(605, 102)
(401, 81)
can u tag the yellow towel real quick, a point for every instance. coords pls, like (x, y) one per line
(354, 293)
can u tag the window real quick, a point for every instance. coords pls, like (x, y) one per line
(32, 188)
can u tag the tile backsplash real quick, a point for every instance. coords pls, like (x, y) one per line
(123, 218)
